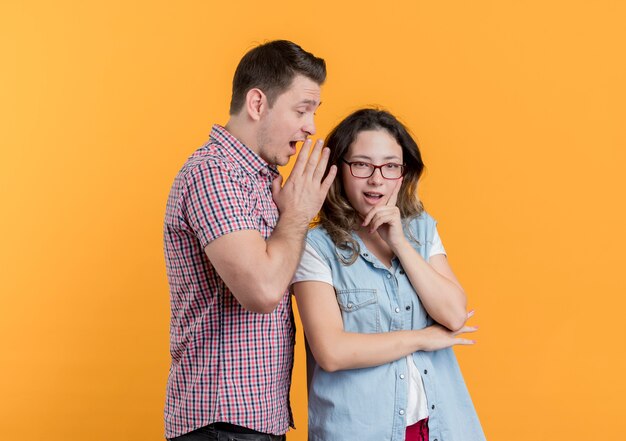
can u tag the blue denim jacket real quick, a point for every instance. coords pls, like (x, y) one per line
(369, 404)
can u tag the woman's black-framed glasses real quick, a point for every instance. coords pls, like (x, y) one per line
(360, 169)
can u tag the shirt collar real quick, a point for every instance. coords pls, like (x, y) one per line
(241, 154)
(371, 258)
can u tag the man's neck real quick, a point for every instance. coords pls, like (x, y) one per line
(242, 131)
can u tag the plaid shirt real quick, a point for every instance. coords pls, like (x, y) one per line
(228, 364)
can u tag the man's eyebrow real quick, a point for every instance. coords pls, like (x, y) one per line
(310, 102)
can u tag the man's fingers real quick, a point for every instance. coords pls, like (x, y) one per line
(314, 157)
(320, 168)
(328, 180)
(303, 154)
(277, 185)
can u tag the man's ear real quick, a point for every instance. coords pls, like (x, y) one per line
(256, 103)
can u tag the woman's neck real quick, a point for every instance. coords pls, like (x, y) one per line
(377, 246)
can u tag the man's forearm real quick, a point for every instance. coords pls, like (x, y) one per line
(258, 271)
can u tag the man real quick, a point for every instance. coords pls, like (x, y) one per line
(230, 257)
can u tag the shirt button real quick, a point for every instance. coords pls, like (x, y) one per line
(401, 412)
(401, 376)
(389, 276)
(401, 271)
(350, 305)
(425, 371)
(433, 407)
(263, 171)
(397, 309)
(365, 254)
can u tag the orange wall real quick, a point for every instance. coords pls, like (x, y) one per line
(519, 108)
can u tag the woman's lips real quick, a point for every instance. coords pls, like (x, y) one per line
(372, 197)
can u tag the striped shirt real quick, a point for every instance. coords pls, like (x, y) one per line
(228, 364)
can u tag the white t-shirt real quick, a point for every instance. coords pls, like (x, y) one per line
(313, 268)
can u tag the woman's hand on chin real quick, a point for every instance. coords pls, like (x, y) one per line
(385, 219)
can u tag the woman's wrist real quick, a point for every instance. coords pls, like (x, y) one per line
(420, 340)
(403, 248)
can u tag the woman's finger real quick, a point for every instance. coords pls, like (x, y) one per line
(378, 220)
(464, 341)
(394, 194)
(370, 215)
(466, 329)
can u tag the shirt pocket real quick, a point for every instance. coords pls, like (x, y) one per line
(269, 216)
(267, 219)
(359, 310)
(266, 212)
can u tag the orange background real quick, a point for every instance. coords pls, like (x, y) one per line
(519, 109)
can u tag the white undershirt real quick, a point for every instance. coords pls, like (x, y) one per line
(313, 268)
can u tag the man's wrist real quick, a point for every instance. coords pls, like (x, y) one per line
(295, 219)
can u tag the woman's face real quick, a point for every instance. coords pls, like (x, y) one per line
(375, 147)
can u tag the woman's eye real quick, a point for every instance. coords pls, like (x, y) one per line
(361, 164)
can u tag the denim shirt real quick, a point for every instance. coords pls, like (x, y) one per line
(369, 403)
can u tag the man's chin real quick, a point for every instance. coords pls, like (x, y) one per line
(281, 162)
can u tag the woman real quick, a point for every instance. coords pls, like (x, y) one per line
(380, 305)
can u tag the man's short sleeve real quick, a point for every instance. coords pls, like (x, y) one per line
(217, 200)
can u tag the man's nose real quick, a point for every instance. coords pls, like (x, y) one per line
(309, 127)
